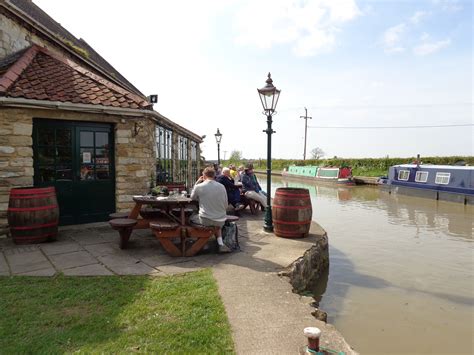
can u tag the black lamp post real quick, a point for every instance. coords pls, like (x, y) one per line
(269, 97)
(218, 136)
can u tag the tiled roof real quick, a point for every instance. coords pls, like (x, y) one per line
(39, 74)
(43, 19)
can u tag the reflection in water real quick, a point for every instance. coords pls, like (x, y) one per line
(400, 265)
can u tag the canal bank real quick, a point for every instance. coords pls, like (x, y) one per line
(265, 314)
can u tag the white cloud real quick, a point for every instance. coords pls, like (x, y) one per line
(392, 37)
(431, 47)
(309, 26)
(418, 16)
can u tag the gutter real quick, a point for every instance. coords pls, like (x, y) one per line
(88, 108)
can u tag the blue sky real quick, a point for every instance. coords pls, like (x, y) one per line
(351, 63)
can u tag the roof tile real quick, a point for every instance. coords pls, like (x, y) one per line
(42, 75)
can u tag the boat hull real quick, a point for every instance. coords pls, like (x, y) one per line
(338, 181)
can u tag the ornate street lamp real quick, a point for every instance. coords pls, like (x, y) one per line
(269, 97)
(218, 136)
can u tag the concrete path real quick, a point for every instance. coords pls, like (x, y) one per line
(265, 315)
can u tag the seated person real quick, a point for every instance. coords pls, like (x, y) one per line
(251, 187)
(233, 192)
(212, 198)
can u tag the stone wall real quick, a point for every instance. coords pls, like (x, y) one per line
(16, 156)
(134, 155)
(14, 37)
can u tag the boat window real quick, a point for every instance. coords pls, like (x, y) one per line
(442, 178)
(421, 176)
(403, 175)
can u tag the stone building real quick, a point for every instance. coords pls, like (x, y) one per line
(69, 119)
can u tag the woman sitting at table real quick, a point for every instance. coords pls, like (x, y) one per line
(212, 198)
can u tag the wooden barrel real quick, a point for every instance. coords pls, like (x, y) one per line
(292, 212)
(33, 214)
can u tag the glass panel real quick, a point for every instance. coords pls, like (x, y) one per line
(102, 172)
(87, 139)
(87, 172)
(46, 174)
(101, 156)
(64, 155)
(101, 140)
(63, 137)
(45, 136)
(46, 155)
(87, 156)
(64, 173)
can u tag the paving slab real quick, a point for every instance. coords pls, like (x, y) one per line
(27, 261)
(74, 259)
(60, 247)
(103, 249)
(42, 272)
(125, 265)
(88, 270)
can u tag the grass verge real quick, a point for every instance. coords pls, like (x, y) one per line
(113, 314)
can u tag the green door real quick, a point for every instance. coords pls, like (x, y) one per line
(77, 159)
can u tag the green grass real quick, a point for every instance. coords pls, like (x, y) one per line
(112, 314)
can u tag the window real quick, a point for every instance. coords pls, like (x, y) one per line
(194, 165)
(442, 178)
(164, 164)
(421, 176)
(403, 175)
(183, 160)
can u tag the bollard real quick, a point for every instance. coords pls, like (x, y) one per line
(313, 334)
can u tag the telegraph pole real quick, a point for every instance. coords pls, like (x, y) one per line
(305, 130)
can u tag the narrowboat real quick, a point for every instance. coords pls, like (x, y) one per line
(440, 182)
(338, 175)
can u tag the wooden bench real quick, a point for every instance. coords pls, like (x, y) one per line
(124, 227)
(165, 230)
(117, 215)
(202, 234)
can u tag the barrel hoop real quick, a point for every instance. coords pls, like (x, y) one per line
(52, 224)
(291, 195)
(291, 222)
(293, 207)
(293, 198)
(287, 233)
(41, 190)
(28, 209)
(35, 196)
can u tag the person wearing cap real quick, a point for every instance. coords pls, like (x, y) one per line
(251, 187)
(212, 198)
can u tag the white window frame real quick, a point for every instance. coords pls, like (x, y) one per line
(441, 178)
(421, 173)
(403, 171)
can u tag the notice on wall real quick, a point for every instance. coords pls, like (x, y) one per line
(86, 157)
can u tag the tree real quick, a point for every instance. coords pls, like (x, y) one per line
(235, 156)
(317, 153)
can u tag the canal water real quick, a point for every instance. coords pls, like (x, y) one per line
(401, 275)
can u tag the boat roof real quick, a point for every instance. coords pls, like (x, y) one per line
(428, 166)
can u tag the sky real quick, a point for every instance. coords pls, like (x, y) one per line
(351, 63)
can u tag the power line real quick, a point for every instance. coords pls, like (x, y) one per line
(392, 127)
(305, 129)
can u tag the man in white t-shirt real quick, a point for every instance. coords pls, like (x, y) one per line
(212, 198)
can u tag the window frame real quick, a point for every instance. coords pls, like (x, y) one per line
(425, 173)
(442, 175)
(403, 171)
